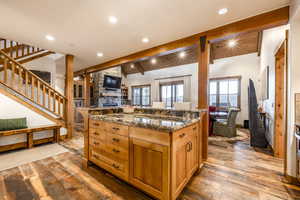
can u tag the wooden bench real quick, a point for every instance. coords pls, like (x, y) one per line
(29, 132)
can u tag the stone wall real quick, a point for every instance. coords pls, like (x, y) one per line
(101, 95)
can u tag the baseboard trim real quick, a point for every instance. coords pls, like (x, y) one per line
(22, 145)
(291, 180)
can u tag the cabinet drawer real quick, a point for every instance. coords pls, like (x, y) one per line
(184, 133)
(117, 151)
(118, 140)
(95, 143)
(96, 156)
(97, 133)
(95, 124)
(116, 129)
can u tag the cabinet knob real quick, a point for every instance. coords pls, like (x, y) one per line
(116, 150)
(182, 135)
(97, 157)
(116, 166)
(96, 133)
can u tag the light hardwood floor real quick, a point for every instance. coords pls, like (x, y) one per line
(234, 171)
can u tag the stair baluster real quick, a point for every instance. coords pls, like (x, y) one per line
(19, 77)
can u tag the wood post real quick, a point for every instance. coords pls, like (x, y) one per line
(203, 65)
(69, 112)
(29, 140)
(56, 135)
(86, 89)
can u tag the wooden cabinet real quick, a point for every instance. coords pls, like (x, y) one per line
(159, 163)
(184, 158)
(109, 147)
(149, 167)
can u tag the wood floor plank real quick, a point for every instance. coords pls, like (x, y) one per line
(234, 171)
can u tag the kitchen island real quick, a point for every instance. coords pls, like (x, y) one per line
(156, 150)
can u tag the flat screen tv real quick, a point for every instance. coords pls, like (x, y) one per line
(112, 82)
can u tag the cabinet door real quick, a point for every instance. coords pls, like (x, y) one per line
(149, 167)
(192, 156)
(179, 166)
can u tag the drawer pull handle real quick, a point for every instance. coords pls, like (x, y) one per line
(116, 129)
(194, 128)
(116, 150)
(96, 124)
(96, 143)
(97, 157)
(96, 133)
(116, 166)
(182, 135)
(116, 140)
(189, 146)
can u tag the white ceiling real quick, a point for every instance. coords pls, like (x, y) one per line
(81, 27)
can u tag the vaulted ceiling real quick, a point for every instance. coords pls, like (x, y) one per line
(243, 44)
(82, 28)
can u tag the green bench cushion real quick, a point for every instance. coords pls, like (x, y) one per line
(12, 124)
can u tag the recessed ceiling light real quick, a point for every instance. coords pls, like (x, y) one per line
(182, 54)
(112, 19)
(223, 11)
(50, 37)
(153, 61)
(100, 54)
(145, 40)
(132, 66)
(232, 43)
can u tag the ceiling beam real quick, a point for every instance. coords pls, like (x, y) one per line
(139, 67)
(257, 23)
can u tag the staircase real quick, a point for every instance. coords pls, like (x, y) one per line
(24, 86)
(18, 51)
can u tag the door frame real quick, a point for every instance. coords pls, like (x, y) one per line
(281, 106)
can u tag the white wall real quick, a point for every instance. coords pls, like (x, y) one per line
(189, 75)
(272, 39)
(12, 109)
(294, 83)
(246, 66)
(43, 64)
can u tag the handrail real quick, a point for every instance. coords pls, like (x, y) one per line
(20, 80)
(32, 74)
(12, 48)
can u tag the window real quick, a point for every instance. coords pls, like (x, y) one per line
(171, 92)
(225, 92)
(141, 95)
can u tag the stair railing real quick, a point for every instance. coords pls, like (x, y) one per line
(29, 85)
(17, 50)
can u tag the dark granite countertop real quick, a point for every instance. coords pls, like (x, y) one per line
(157, 122)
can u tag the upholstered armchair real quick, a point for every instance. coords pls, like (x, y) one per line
(226, 127)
